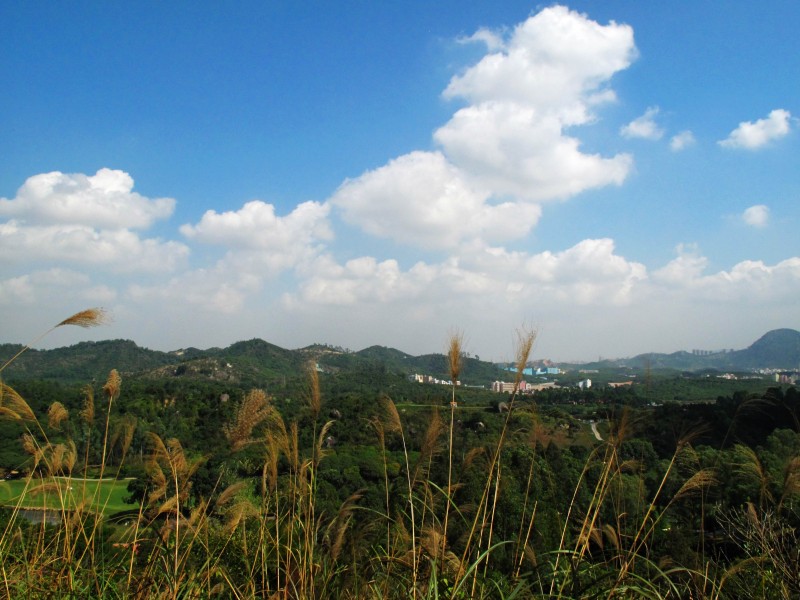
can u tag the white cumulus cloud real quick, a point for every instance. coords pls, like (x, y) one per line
(261, 243)
(422, 199)
(756, 216)
(257, 226)
(644, 127)
(86, 220)
(554, 56)
(105, 200)
(754, 135)
(518, 151)
(507, 150)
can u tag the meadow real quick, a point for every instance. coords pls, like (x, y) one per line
(56, 493)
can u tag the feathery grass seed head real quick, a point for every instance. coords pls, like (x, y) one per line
(112, 385)
(91, 317)
(13, 406)
(254, 410)
(455, 354)
(56, 415)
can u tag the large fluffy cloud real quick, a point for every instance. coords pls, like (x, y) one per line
(422, 199)
(555, 60)
(105, 200)
(519, 151)
(508, 149)
(751, 135)
(261, 243)
(86, 220)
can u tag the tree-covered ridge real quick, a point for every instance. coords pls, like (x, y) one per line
(254, 361)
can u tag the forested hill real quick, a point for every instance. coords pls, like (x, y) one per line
(779, 347)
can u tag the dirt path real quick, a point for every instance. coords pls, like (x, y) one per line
(595, 432)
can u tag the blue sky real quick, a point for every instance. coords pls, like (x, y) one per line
(622, 176)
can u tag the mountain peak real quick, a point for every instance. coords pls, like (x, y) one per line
(779, 348)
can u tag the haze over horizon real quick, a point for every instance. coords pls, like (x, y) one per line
(623, 177)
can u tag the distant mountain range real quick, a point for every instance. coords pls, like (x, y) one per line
(776, 349)
(255, 362)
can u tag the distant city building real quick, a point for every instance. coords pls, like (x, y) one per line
(502, 387)
(538, 371)
(525, 371)
(585, 384)
(538, 387)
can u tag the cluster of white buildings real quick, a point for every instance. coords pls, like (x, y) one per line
(417, 378)
(782, 376)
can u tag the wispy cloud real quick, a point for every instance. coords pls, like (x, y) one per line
(681, 141)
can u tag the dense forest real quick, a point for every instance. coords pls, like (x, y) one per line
(361, 484)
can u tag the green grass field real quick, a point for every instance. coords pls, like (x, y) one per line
(105, 496)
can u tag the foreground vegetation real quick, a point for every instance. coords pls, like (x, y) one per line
(337, 489)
